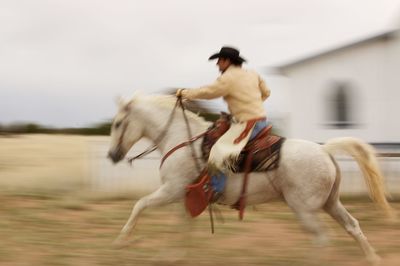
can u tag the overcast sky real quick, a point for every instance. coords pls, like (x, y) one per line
(62, 63)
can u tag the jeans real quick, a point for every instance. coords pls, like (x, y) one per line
(260, 125)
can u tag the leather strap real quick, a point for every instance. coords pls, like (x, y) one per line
(183, 144)
(242, 199)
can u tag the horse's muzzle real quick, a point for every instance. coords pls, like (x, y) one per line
(115, 155)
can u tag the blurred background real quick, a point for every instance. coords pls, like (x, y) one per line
(332, 67)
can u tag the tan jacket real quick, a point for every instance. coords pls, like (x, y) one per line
(243, 90)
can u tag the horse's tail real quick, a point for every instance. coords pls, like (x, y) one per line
(364, 155)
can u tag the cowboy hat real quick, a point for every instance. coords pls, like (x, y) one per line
(230, 53)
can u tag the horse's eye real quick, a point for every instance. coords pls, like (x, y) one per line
(117, 124)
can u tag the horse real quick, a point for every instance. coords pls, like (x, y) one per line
(307, 177)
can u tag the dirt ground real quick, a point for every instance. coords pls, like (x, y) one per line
(78, 230)
(49, 217)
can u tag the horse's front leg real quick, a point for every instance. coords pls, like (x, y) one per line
(161, 196)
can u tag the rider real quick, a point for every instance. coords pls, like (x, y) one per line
(244, 91)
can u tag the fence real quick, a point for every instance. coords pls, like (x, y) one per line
(353, 182)
(143, 176)
(140, 177)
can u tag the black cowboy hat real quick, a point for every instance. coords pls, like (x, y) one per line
(230, 53)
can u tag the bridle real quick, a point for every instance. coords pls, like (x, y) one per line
(150, 149)
(159, 138)
(125, 127)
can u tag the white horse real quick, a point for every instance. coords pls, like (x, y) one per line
(307, 178)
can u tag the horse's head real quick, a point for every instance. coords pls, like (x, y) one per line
(126, 130)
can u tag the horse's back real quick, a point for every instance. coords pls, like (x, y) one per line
(301, 151)
(305, 169)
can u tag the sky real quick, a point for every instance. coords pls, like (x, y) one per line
(64, 62)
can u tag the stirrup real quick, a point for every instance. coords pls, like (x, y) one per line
(215, 196)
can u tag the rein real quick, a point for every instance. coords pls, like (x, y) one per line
(183, 144)
(210, 210)
(189, 131)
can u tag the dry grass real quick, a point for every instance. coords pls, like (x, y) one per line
(42, 162)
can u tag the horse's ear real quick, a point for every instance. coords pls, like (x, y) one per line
(136, 95)
(134, 98)
(119, 100)
(125, 103)
(127, 106)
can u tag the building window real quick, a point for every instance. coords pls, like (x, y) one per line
(340, 106)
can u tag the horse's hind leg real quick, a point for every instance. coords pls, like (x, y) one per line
(157, 198)
(351, 225)
(312, 224)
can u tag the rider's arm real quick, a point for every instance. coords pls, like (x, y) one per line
(218, 89)
(265, 91)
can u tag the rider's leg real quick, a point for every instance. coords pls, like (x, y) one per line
(218, 181)
(258, 127)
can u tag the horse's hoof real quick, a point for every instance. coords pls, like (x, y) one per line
(374, 260)
(119, 243)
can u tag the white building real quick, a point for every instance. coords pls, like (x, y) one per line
(353, 90)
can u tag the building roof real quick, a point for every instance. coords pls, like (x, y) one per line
(380, 36)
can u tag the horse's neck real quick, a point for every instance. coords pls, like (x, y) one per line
(176, 133)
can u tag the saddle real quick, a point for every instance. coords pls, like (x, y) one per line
(264, 148)
(259, 155)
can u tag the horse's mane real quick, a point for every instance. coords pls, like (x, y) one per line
(164, 101)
